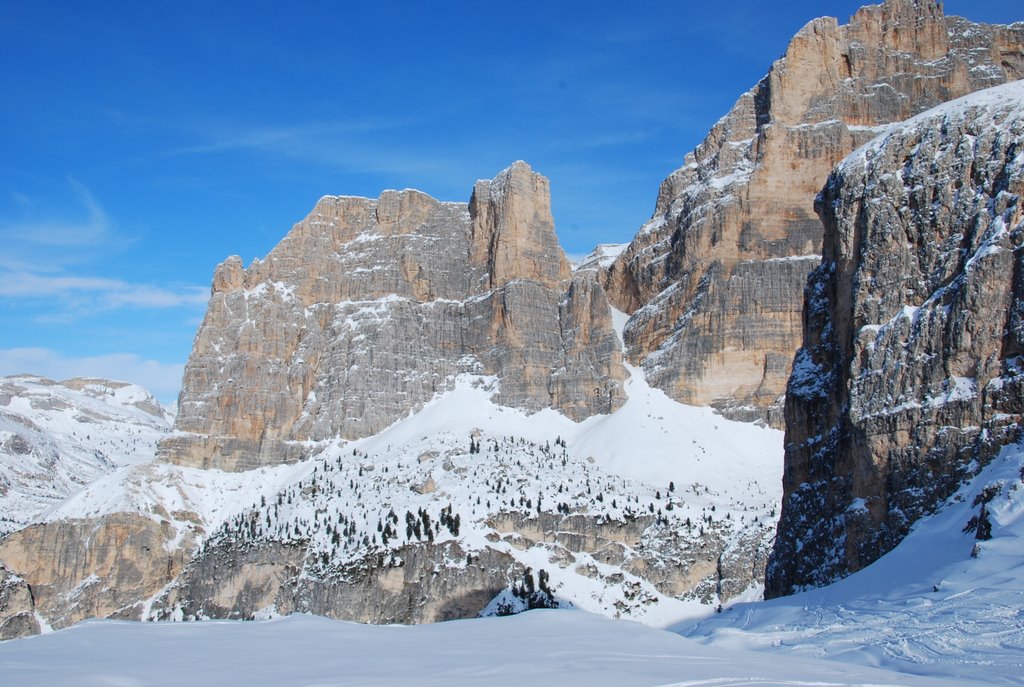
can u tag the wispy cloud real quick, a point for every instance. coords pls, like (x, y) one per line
(94, 228)
(364, 145)
(100, 292)
(41, 251)
(283, 139)
(163, 380)
(43, 238)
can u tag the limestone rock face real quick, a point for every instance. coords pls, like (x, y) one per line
(368, 308)
(94, 568)
(714, 280)
(910, 375)
(418, 586)
(432, 582)
(17, 609)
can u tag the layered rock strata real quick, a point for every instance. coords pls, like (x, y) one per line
(910, 373)
(93, 567)
(369, 308)
(714, 280)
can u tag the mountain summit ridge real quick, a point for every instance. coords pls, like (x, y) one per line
(312, 335)
(713, 281)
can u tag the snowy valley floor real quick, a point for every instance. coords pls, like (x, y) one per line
(563, 648)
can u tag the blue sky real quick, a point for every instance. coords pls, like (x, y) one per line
(145, 142)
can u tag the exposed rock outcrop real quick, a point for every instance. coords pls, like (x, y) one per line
(421, 583)
(369, 308)
(94, 568)
(17, 609)
(431, 582)
(714, 280)
(910, 373)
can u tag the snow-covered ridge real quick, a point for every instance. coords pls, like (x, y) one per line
(56, 437)
(603, 255)
(1001, 107)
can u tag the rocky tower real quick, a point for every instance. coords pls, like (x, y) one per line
(714, 280)
(368, 308)
(910, 373)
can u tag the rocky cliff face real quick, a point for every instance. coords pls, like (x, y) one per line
(910, 373)
(18, 608)
(714, 279)
(103, 567)
(369, 308)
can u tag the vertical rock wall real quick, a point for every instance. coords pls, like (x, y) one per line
(910, 374)
(367, 309)
(714, 280)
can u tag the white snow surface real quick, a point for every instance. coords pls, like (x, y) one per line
(57, 437)
(941, 604)
(557, 648)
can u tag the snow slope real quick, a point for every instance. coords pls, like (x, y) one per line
(941, 603)
(693, 471)
(57, 437)
(557, 648)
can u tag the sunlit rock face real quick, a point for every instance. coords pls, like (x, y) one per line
(714, 281)
(369, 308)
(910, 374)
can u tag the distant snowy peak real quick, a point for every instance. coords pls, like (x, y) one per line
(601, 257)
(56, 437)
(109, 392)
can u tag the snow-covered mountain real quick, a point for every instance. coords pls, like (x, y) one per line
(57, 437)
(414, 411)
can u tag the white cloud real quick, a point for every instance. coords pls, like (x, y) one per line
(39, 250)
(163, 380)
(99, 292)
(52, 232)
